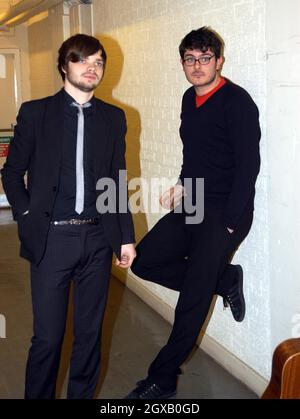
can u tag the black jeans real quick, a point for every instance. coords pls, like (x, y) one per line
(82, 254)
(192, 259)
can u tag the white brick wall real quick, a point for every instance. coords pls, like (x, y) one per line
(283, 133)
(144, 76)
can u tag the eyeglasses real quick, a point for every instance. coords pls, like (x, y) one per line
(204, 60)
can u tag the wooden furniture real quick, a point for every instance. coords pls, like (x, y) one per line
(285, 378)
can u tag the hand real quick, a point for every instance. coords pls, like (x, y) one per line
(171, 198)
(128, 253)
(230, 230)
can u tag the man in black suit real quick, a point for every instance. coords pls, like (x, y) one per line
(66, 143)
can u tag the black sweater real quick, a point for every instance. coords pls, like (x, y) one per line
(221, 144)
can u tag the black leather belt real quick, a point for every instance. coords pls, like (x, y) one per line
(76, 221)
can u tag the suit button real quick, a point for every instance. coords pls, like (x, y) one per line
(54, 188)
(47, 214)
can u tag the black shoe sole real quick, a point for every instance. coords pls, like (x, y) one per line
(241, 293)
(162, 397)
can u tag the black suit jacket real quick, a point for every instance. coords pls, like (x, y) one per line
(37, 149)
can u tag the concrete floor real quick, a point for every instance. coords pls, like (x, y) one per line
(132, 335)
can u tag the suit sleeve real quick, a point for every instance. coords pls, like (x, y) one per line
(18, 160)
(244, 132)
(119, 164)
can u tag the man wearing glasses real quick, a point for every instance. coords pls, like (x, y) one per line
(220, 134)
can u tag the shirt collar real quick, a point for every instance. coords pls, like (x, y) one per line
(68, 100)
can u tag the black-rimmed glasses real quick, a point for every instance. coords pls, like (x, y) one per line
(204, 60)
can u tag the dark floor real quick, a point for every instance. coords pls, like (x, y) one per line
(132, 335)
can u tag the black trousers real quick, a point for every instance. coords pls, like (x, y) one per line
(80, 253)
(192, 259)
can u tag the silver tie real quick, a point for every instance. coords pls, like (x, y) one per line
(79, 204)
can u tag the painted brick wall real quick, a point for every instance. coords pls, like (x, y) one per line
(46, 32)
(283, 133)
(41, 60)
(145, 78)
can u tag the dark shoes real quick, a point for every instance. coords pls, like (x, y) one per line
(234, 298)
(148, 390)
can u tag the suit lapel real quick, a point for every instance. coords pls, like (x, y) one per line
(52, 133)
(100, 138)
(50, 136)
(53, 127)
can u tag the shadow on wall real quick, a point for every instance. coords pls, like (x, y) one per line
(110, 80)
(105, 90)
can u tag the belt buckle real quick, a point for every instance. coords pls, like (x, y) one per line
(74, 221)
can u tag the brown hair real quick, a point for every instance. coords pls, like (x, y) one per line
(77, 47)
(202, 39)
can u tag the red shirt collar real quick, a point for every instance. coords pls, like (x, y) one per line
(201, 99)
